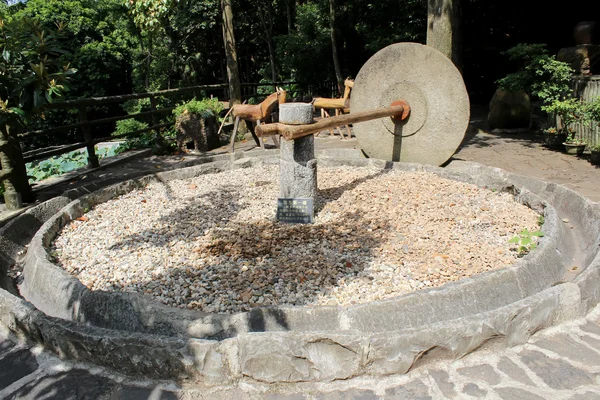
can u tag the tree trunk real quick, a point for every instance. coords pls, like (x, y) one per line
(148, 62)
(16, 187)
(289, 10)
(233, 73)
(267, 24)
(336, 61)
(444, 28)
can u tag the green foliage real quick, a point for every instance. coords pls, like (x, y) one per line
(97, 34)
(31, 73)
(524, 53)
(569, 110)
(136, 106)
(147, 14)
(525, 241)
(204, 108)
(125, 126)
(306, 53)
(551, 80)
(592, 111)
(142, 141)
(541, 220)
(539, 73)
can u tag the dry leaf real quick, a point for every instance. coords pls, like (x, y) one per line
(143, 200)
(83, 218)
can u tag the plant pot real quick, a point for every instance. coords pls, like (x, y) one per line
(555, 140)
(575, 149)
(595, 157)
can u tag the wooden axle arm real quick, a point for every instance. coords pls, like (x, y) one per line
(291, 132)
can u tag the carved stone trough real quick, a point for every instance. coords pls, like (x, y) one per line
(137, 336)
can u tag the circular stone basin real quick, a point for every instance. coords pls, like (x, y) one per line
(211, 243)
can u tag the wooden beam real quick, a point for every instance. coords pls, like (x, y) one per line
(291, 132)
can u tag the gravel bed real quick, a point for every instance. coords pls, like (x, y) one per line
(212, 243)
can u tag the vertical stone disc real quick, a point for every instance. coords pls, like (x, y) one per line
(436, 93)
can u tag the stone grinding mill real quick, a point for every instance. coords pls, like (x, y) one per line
(409, 103)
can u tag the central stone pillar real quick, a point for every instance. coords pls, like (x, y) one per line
(297, 168)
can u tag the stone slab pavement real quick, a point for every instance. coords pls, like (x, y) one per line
(561, 362)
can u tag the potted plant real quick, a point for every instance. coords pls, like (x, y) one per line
(568, 111)
(574, 145)
(539, 77)
(554, 138)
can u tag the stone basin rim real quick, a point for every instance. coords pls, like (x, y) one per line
(135, 313)
(165, 354)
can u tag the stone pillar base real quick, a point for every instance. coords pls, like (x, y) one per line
(298, 169)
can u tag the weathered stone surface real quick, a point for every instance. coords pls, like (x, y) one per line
(557, 374)
(298, 168)
(508, 393)
(584, 59)
(295, 396)
(5, 345)
(437, 96)
(16, 365)
(595, 343)
(413, 390)
(209, 361)
(513, 371)
(352, 394)
(591, 327)
(296, 113)
(344, 154)
(478, 373)
(442, 380)
(71, 385)
(392, 355)
(509, 110)
(565, 346)
(473, 390)
(585, 396)
(452, 337)
(137, 393)
(294, 358)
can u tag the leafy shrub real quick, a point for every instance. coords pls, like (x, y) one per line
(592, 111)
(125, 126)
(204, 108)
(539, 73)
(136, 105)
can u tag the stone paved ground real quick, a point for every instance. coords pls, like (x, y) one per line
(562, 362)
(559, 363)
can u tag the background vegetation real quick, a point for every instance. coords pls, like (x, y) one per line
(125, 46)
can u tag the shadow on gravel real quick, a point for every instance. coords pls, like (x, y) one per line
(184, 219)
(261, 263)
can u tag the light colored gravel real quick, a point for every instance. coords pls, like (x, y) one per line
(212, 243)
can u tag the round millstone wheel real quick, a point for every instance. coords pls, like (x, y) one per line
(438, 99)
